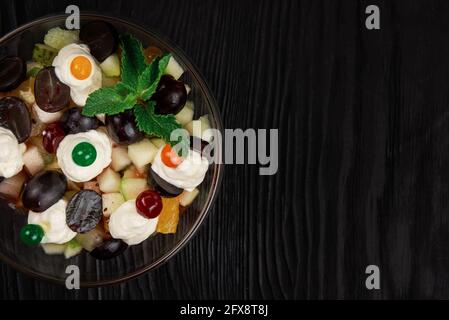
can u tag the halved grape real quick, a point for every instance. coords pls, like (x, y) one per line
(14, 115)
(84, 211)
(51, 94)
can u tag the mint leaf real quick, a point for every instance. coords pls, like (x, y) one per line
(133, 60)
(111, 101)
(149, 79)
(156, 124)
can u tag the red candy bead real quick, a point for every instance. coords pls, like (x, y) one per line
(149, 204)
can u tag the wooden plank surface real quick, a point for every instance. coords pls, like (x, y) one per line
(363, 153)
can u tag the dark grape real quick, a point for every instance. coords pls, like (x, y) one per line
(163, 187)
(109, 249)
(84, 211)
(123, 128)
(72, 121)
(52, 136)
(14, 115)
(51, 94)
(101, 37)
(44, 190)
(170, 96)
(12, 73)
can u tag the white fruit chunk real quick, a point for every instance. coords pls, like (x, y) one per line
(120, 158)
(188, 89)
(111, 66)
(33, 160)
(186, 114)
(109, 181)
(187, 197)
(158, 142)
(46, 117)
(174, 69)
(72, 249)
(131, 188)
(91, 239)
(111, 201)
(142, 152)
(53, 248)
(101, 117)
(200, 128)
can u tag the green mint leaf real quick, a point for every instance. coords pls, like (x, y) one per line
(156, 124)
(111, 101)
(149, 79)
(133, 60)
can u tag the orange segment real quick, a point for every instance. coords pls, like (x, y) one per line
(81, 67)
(169, 216)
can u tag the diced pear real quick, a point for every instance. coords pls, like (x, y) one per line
(111, 201)
(142, 152)
(131, 188)
(158, 142)
(109, 181)
(101, 117)
(46, 117)
(33, 160)
(186, 114)
(187, 197)
(111, 66)
(174, 69)
(120, 158)
(188, 88)
(198, 128)
(131, 172)
(72, 249)
(53, 248)
(92, 239)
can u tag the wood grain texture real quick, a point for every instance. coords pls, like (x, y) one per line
(363, 162)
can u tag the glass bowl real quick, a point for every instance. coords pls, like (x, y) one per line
(158, 248)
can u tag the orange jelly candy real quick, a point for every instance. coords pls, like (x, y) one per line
(169, 216)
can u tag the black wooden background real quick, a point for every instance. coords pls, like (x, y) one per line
(364, 149)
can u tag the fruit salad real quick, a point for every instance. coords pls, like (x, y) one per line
(85, 141)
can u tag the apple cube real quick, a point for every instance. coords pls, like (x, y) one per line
(187, 197)
(111, 201)
(109, 181)
(131, 172)
(186, 114)
(132, 187)
(142, 152)
(198, 128)
(158, 142)
(92, 185)
(120, 158)
(174, 69)
(33, 160)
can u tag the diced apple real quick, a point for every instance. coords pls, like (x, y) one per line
(131, 172)
(120, 158)
(11, 187)
(142, 171)
(187, 197)
(186, 114)
(111, 201)
(158, 142)
(131, 188)
(33, 160)
(198, 128)
(53, 165)
(188, 89)
(142, 152)
(92, 239)
(101, 117)
(53, 248)
(72, 249)
(174, 69)
(109, 181)
(111, 66)
(92, 185)
(46, 117)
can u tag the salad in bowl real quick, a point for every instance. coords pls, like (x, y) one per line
(87, 149)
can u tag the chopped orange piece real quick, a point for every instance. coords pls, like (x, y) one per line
(151, 53)
(169, 217)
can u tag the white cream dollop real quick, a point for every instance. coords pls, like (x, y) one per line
(127, 224)
(11, 154)
(53, 221)
(79, 89)
(78, 173)
(187, 175)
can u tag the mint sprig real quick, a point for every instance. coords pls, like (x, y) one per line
(138, 83)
